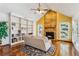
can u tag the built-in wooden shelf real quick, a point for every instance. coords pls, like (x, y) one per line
(17, 42)
(19, 27)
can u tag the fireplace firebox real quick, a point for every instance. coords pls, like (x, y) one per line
(50, 35)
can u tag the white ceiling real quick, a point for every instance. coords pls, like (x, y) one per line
(24, 9)
(69, 9)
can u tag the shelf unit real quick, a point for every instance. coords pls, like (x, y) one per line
(19, 27)
(30, 27)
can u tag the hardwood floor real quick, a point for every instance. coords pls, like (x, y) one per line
(7, 50)
(61, 48)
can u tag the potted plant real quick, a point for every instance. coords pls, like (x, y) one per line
(3, 30)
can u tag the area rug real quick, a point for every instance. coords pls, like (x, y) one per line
(31, 51)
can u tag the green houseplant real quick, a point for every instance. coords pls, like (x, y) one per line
(3, 30)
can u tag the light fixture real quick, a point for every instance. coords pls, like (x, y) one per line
(40, 10)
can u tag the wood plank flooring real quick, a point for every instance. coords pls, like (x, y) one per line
(62, 48)
(12, 51)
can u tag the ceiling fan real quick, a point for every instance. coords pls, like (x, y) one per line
(40, 10)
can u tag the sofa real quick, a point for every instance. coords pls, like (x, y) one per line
(38, 42)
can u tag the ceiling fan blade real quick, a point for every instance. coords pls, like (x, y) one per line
(45, 9)
(39, 6)
(34, 9)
